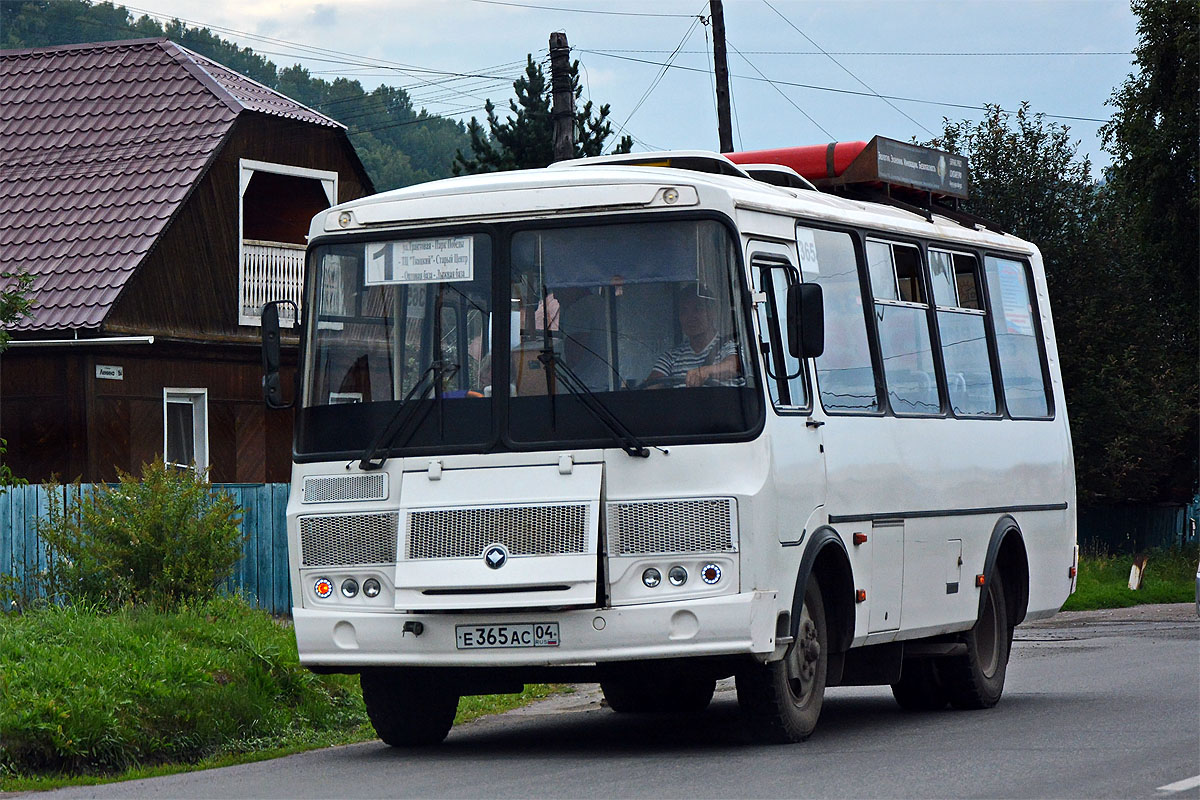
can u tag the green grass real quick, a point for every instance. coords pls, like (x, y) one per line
(1103, 581)
(89, 697)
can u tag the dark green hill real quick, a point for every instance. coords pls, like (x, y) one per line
(398, 144)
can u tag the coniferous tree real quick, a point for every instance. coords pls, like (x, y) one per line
(526, 139)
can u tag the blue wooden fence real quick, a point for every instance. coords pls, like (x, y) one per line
(261, 575)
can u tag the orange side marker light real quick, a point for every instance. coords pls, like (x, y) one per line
(860, 595)
(979, 580)
(860, 538)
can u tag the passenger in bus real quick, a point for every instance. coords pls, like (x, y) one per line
(705, 357)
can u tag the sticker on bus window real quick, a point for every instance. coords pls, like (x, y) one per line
(442, 260)
(1014, 298)
(806, 245)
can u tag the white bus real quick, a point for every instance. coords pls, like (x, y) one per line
(653, 421)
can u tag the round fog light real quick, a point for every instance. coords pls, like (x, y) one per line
(710, 573)
(371, 587)
(349, 587)
(652, 577)
(677, 576)
(323, 587)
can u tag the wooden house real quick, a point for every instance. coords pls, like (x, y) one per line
(158, 199)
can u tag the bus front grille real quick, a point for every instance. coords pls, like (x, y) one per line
(523, 530)
(339, 488)
(349, 539)
(672, 526)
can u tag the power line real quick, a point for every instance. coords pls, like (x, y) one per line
(581, 10)
(781, 92)
(846, 70)
(658, 78)
(837, 91)
(899, 53)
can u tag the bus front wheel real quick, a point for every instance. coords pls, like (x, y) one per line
(781, 701)
(407, 712)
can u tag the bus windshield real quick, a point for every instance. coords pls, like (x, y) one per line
(646, 318)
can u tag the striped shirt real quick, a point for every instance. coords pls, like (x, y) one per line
(681, 360)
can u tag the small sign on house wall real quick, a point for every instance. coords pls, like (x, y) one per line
(110, 373)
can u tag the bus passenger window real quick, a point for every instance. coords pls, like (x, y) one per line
(903, 324)
(1022, 360)
(961, 327)
(845, 377)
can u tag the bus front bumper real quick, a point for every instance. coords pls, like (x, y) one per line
(724, 625)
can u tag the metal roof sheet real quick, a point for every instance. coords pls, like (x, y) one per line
(99, 146)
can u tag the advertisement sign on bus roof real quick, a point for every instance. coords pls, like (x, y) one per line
(910, 165)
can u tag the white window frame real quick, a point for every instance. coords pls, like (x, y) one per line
(246, 169)
(198, 398)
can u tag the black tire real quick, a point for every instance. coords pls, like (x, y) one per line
(976, 679)
(687, 694)
(781, 701)
(407, 712)
(920, 687)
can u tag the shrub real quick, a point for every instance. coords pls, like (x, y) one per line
(160, 539)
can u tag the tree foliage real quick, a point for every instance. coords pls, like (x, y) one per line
(525, 140)
(1127, 406)
(397, 144)
(14, 304)
(1154, 137)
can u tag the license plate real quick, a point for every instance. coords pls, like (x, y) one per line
(530, 634)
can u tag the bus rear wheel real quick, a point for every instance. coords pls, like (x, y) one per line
(781, 701)
(682, 694)
(407, 712)
(976, 679)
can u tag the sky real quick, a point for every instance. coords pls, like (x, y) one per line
(802, 71)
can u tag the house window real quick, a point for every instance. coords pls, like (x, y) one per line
(276, 205)
(185, 428)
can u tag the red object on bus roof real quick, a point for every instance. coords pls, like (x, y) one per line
(815, 162)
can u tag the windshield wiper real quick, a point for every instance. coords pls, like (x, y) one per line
(433, 377)
(627, 439)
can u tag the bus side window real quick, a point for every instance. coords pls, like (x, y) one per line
(902, 319)
(785, 373)
(961, 317)
(1022, 358)
(845, 377)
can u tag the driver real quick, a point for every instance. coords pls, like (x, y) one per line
(705, 356)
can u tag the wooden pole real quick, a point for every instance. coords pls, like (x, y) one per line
(562, 109)
(724, 128)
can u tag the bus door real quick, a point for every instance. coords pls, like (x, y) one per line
(797, 441)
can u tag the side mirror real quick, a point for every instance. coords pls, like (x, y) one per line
(805, 320)
(272, 354)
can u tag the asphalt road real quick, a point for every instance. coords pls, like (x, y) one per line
(1097, 704)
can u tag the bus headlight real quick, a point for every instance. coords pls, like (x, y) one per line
(677, 576)
(349, 587)
(371, 587)
(651, 577)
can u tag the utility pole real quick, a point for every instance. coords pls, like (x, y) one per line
(562, 109)
(724, 128)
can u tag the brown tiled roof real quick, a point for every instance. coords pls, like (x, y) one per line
(99, 146)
